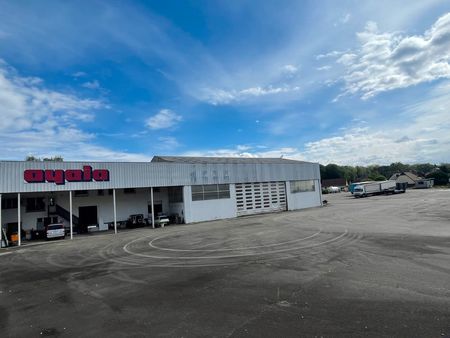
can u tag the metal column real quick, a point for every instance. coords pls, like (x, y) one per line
(115, 211)
(19, 230)
(153, 208)
(71, 213)
(1, 226)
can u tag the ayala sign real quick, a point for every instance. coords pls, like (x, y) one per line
(59, 176)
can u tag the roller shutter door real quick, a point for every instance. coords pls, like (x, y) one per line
(255, 198)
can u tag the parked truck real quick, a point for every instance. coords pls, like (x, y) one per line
(374, 188)
(353, 185)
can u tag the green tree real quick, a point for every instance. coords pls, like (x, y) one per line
(445, 167)
(423, 168)
(53, 159)
(332, 171)
(440, 178)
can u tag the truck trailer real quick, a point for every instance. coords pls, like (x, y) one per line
(374, 188)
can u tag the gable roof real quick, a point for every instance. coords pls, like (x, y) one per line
(407, 174)
(223, 160)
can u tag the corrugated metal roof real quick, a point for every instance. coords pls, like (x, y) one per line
(223, 160)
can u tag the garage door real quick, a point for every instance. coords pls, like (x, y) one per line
(254, 198)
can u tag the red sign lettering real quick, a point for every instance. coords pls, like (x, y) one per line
(60, 176)
(56, 176)
(101, 175)
(34, 176)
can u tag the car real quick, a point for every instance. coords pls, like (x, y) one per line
(135, 221)
(161, 220)
(55, 230)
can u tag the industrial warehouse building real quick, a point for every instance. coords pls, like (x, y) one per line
(188, 189)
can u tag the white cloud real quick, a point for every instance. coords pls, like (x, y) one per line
(332, 54)
(324, 68)
(79, 74)
(248, 151)
(420, 135)
(164, 119)
(290, 70)
(345, 18)
(91, 84)
(25, 104)
(168, 143)
(41, 122)
(220, 96)
(387, 61)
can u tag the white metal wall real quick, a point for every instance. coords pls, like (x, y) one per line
(199, 211)
(303, 200)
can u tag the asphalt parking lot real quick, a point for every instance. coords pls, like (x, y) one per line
(372, 267)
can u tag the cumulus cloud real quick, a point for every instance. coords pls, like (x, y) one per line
(164, 119)
(26, 104)
(421, 135)
(387, 61)
(37, 121)
(221, 96)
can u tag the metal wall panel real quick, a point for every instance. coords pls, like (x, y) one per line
(155, 174)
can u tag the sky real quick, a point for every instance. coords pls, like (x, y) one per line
(347, 82)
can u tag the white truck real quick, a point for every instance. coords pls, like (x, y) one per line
(374, 188)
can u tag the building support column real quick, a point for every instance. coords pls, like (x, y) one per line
(320, 193)
(19, 230)
(153, 208)
(1, 225)
(71, 214)
(115, 211)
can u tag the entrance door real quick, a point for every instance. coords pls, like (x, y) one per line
(255, 198)
(87, 216)
(157, 206)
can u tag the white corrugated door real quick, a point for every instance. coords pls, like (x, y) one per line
(254, 198)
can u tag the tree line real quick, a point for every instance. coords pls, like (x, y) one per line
(440, 173)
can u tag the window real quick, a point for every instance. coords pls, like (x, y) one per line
(35, 204)
(210, 192)
(81, 193)
(100, 192)
(302, 186)
(9, 203)
(175, 194)
(224, 190)
(197, 192)
(129, 191)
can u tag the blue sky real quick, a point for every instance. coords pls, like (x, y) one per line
(345, 82)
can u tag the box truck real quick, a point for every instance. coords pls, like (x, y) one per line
(374, 188)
